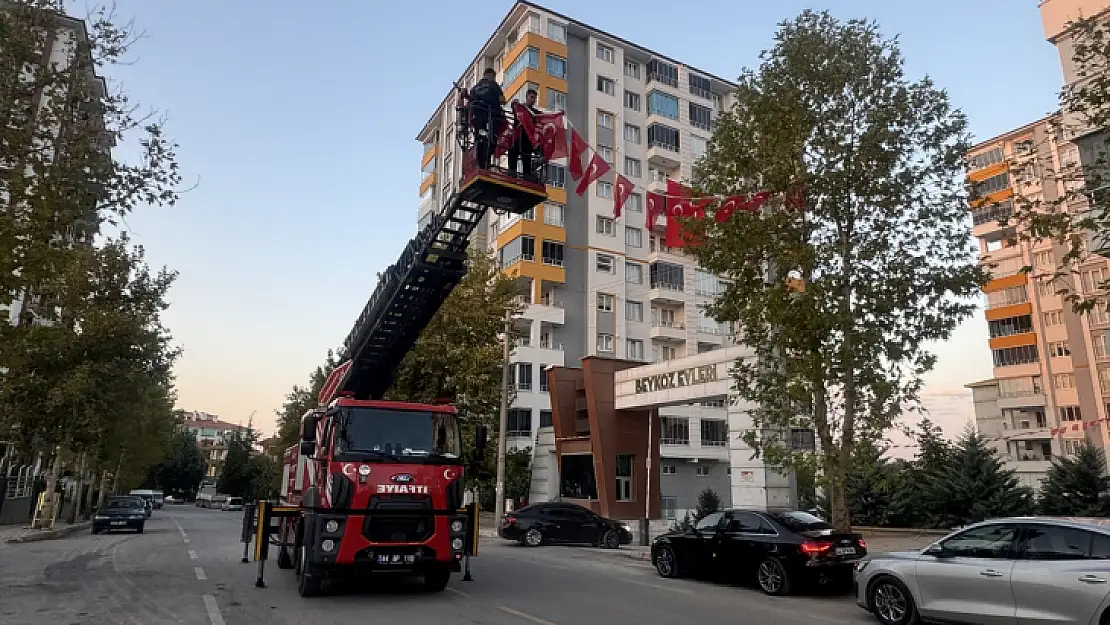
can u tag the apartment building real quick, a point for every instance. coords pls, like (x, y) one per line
(597, 285)
(1051, 366)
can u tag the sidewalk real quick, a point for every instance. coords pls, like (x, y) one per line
(24, 534)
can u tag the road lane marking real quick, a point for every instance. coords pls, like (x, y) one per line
(650, 585)
(186, 541)
(200, 573)
(213, 610)
(524, 615)
(458, 592)
(192, 555)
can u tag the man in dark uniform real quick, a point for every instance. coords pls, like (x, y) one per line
(522, 147)
(486, 115)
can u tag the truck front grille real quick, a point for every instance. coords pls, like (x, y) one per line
(398, 519)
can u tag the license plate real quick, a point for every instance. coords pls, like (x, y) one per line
(119, 522)
(845, 551)
(396, 559)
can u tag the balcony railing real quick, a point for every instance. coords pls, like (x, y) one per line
(662, 323)
(554, 262)
(674, 441)
(550, 301)
(714, 443)
(657, 143)
(666, 285)
(701, 93)
(662, 78)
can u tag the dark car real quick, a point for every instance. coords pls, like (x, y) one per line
(780, 550)
(566, 523)
(120, 513)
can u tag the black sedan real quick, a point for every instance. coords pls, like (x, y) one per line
(781, 550)
(120, 513)
(566, 523)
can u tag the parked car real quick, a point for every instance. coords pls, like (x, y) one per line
(1018, 570)
(778, 550)
(119, 513)
(557, 522)
(233, 503)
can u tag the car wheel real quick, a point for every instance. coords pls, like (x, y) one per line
(308, 583)
(611, 540)
(891, 602)
(772, 577)
(666, 563)
(533, 537)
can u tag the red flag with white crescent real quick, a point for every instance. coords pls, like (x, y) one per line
(596, 169)
(578, 147)
(620, 194)
(551, 134)
(656, 206)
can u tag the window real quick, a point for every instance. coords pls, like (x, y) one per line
(606, 226)
(989, 541)
(986, 159)
(523, 376)
(604, 52)
(556, 100)
(1063, 380)
(1010, 326)
(576, 477)
(1093, 279)
(605, 302)
(996, 212)
(1046, 542)
(1046, 288)
(633, 310)
(606, 85)
(707, 284)
(556, 31)
(623, 472)
(605, 342)
(633, 273)
(1043, 259)
(521, 93)
(545, 415)
(604, 120)
(663, 353)
(605, 263)
(631, 100)
(632, 69)
(632, 134)
(633, 167)
(664, 104)
(663, 72)
(663, 136)
(633, 237)
(519, 423)
(701, 471)
(1053, 318)
(667, 276)
(556, 176)
(701, 117)
(556, 66)
(714, 433)
(668, 469)
(553, 253)
(698, 146)
(1058, 349)
(634, 203)
(634, 349)
(674, 431)
(605, 189)
(991, 185)
(553, 214)
(529, 59)
(1008, 297)
(699, 86)
(606, 153)
(1070, 413)
(1023, 355)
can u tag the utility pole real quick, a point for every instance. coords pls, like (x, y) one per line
(499, 491)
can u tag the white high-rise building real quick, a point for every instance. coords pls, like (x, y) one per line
(598, 285)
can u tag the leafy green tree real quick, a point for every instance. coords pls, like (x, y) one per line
(235, 475)
(183, 469)
(302, 399)
(875, 232)
(1077, 486)
(265, 473)
(976, 485)
(708, 503)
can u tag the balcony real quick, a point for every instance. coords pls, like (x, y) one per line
(668, 331)
(1027, 400)
(547, 310)
(663, 154)
(662, 292)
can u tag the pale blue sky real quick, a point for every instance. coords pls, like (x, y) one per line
(298, 120)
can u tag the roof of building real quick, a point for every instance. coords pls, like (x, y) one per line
(1013, 133)
(982, 383)
(211, 424)
(570, 20)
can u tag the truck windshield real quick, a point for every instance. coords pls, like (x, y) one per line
(401, 433)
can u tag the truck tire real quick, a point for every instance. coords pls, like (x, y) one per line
(436, 580)
(284, 560)
(308, 582)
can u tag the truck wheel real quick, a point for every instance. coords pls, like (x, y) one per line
(284, 560)
(308, 583)
(436, 581)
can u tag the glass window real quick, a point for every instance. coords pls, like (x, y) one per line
(632, 69)
(604, 189)
(556, 66)
(556, 176)
(556, 31)
(556, 100)
(605, 264)
(633, 237)
(632, 134)
(710, 522)
(988, 541)
(604, 120)
(605, 53)
(606, 85)
(634, 273)
(698, 146)
(1046, 542)
(529, 58)
(631, 100)
(802, 521)
(545, 415)
(664, 104)
(623, 472)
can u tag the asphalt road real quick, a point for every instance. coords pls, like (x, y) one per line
(185, 569)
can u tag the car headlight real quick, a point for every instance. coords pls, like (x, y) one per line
(456, 526)
(100, 518)
(626, 527)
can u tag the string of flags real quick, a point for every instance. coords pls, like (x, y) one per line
(550, 131)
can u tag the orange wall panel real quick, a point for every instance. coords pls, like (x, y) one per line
(1015, 340)
(999, 284)
(994, 314)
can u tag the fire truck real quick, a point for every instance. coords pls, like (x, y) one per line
(378, 485)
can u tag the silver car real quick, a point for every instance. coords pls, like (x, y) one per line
(1041, 570)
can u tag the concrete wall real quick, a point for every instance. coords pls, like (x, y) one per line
(15, 511)
(684, 485)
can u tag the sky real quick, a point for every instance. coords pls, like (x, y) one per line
(297, 139)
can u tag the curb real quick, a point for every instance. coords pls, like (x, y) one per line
(903, 531)
(59, 532)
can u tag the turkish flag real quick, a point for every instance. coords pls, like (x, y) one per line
(524, 120)
(578, 147)
(620, 194)
(551, 135)
(656, 206)
(506, 139)
(676, 189)
(596, 169)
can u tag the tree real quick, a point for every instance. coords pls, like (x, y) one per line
(183, 469)
(877, 489)
(302, 399)
(874, 230)
(1078, 219)
(708, 503)
(1077, 486)
(235, 475)
(934, 454)
(265, 473)
(976, 485)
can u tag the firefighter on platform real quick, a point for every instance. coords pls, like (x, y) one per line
(486, 115)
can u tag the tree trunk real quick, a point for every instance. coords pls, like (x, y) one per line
(102, 492)
(91, 492)
(78, 493)
(48, 510)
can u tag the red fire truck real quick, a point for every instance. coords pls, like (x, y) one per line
(377, 485)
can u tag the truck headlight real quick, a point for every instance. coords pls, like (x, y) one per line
(456, 526)
(456, 544)
(328, 545)
(331, 526)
